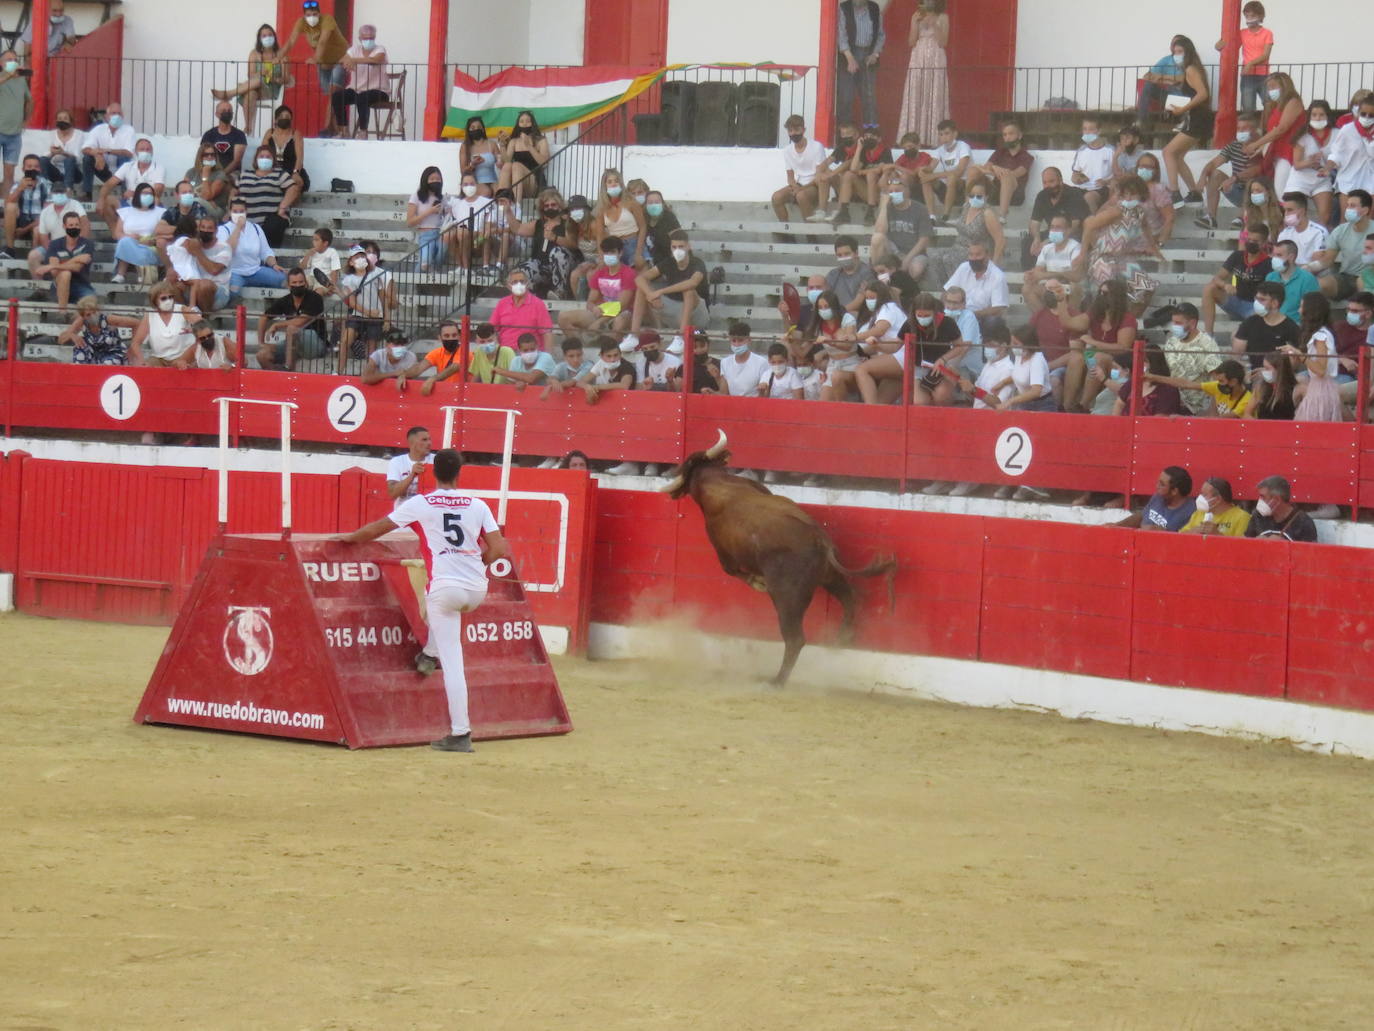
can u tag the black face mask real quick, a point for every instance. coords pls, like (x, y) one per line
(1252, 247)
(226, 117)
(846, 141)
(911, 151)
(208, 343)
(283, 123)
(73, 231)
(796, 137)
(298, 291)
(207, 238)
(477, 134)
(1050, 300)
(978, 266)
(650, 356)
(523, 130)
(450, 345)
(64, 126)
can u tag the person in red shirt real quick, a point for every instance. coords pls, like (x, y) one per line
(910, 160)
(1256, 44)
(1356, 99)
(610, 296)
(862, 176)
(1006, 172)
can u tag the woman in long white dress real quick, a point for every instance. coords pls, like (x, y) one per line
(925, 100)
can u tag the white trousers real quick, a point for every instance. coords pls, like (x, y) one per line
(446, 605)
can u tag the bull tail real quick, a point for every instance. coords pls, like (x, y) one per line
(883, 565)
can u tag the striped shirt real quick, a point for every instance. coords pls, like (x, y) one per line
(1234, 152)
(263, 192)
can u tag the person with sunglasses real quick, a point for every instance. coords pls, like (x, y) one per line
(330, 45)
(213, 350)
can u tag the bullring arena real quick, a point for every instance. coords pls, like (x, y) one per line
(700, 852)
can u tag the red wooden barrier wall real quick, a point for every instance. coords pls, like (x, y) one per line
(1265, 618)
(1325, 462)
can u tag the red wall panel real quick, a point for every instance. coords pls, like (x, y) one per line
(11, 488)
(1331, 626)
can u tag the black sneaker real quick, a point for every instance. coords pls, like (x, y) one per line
(1177, 198)
(6, 254)
(425, 664)
(453, 743)
(1193, 197)
(1205, 222)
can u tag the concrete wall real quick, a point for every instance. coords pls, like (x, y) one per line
(784, 31)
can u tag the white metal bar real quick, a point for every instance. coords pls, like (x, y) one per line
(286, 408)
(223, 490)
(505, 469)
(561, 500)
(446, 441)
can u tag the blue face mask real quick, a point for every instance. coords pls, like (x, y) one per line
(813, 295)
(871, 302)
(59, 200)
(977, 202)
(1130, 204)
(1179, 332)
(924, 320)
(1056, 236)
(115, 121)
(1147, 174)
(1278, 264)
(1353, 317)
(1090, 138)
(654, 210)
(739, 348)
(1352, 214)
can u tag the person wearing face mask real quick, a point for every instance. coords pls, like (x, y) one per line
(254, 262)
(936, 342)
(1307, 236)
(1287, 272)
(520, 311)
(269, 193)
(208, 182)
(51, 221)
(94, 336)
(1191, 353)
(1267, 329)
(1276, 517)
(1274, 389)
(198, 263)
(1244, 168)
(283, 138)
(67, 264)
(797, 327)
(1216, 512)
(425, 213)
(612, 371)
(531, 368)
(925, 98)
(369, 294)
(862, 174)
(292, 326)
(881, 319)
(745, 368)
(1309, 176)
(1054, 198)
(674, 293)
(1007, 172)
(524, 157)
(187, 205)
(617, 215)
(1190, 101)
(1091, 171)
(836, 330)
(16, 105)
(1159, 202)
(1351, 158)
(366, 60)
(1283, 122)
(656, 369)
(268, 72)
(25, 203)
(1119, 238)
(163, 336)
(662, 222)
(781, 382)
(228, 140)
(830, 173)
(1061, 260)
(1256, 44)
(135, 233)
(61, 32)
(395, 360)
(1233, 287)
(570, 368)
(801, 160)
(944, 177)
(109, 145)
(1338, 264)
(553, 253)
(468, 214)
(62, 163)
(1354, 331)
(975, 226)
(212, 350)
(329, 45)
(849, 275)
(610, 296)
(1155, 398)
(903, 227)
(480, 156)
(118, 190)
(813, 368)
(983, 284)
(1227, 390)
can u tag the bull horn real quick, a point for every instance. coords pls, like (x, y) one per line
(674, 486)
(718, 446)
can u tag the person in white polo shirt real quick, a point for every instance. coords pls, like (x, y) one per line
(983, 283)
(1307, 236)
(801, 158)
(1092, 165)
(403, 471)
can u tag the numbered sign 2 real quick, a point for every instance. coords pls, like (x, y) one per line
(120, 397)
(346, 408)
(1013, 451)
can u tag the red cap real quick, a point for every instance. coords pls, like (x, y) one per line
(648, 338)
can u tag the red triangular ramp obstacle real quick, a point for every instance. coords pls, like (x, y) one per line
(307, 638)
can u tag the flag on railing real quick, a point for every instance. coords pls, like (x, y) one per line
(560, 97)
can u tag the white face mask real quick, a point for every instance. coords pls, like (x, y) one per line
(1317, 123)
(529, 357)
(1260, 309)
(1202, 504)
(1367, 121)
(145, 157)
(1056, 236)
(469, 190)
(612, 260)
(359, 266)
(269, 41)
(640, 198)
(1267, 375)
(577, 214)
(1243, 136)
(518, 289)
(1264, 508)
(824, 313)
(166, 303)
(679, 253)
(312, 20)
(398, 352)
(1274, 94)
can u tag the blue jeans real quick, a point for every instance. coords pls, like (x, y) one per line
(863, 82)
(130, 250)
(90, 173)
(265, 275)
(62, 169)
(1251, 90)
(11, 144)
(431, 248)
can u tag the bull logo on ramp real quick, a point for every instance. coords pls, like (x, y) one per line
(248, 639)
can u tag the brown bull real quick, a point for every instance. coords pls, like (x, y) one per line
(772, 545)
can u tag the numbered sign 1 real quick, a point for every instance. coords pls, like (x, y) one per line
(120, 397)
(346, 408)
(1013, 451)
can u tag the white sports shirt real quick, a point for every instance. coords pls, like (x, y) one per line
(449, 524)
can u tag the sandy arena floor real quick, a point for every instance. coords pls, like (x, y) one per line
(698, 854)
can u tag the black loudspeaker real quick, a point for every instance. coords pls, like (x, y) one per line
(679, 109)
(716, 112)
(649, 130)
(759, 106)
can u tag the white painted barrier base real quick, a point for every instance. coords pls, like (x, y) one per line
(1313, 728)
(6, 592)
